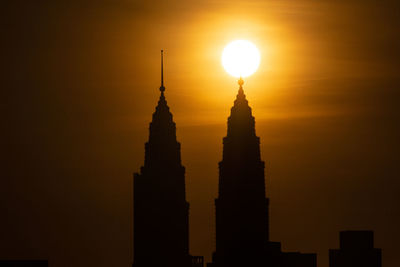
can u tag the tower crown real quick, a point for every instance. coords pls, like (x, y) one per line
(241, 121)
(162, 148)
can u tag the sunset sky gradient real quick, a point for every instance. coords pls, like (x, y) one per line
(80, 82)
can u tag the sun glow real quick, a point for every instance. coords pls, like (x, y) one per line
(240, 58)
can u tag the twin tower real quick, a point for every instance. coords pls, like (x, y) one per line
(161, 212)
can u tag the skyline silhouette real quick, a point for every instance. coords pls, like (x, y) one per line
(356, 250)
(161, 212)
(242, 209)
(79, 83)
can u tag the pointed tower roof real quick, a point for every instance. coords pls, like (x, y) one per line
(162, 110)
(162, 103)
(162, 136)
(241, 121)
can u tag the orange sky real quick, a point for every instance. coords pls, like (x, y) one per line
(80, 82)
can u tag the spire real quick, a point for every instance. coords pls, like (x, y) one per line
(162, 126)
(241, 97)
(241, 92)
(162, 88)
(241, 121)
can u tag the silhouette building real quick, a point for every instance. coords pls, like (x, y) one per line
(356, 250)
(242, 222)
(24, 263)
(161, 212)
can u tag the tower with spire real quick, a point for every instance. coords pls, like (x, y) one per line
(161, 224)
(242, 215)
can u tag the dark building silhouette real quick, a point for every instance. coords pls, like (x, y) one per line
(356, 250)
(161, 212)
(242, 223)
(24, 263)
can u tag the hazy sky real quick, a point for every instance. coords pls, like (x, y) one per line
(80, 80)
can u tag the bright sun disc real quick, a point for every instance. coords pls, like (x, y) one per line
(240, 58)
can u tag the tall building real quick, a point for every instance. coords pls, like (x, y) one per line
(356, 250)
(161, 227)
(241, 206)
(242, 222)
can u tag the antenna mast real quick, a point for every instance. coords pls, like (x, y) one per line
(162, 88)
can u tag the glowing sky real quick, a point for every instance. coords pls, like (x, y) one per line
(80, 82)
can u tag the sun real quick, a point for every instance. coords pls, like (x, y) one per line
(240, 58)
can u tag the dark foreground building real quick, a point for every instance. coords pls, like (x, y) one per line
(242, 223)
(24, 263)
(161, 213)
(356, 250)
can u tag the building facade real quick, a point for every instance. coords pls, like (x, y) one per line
(356, 250)
(161, 212)
(242, 215)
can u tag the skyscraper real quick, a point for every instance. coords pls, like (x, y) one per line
(242, 223)
(356, 250)
(241, 206)
(160, 208)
